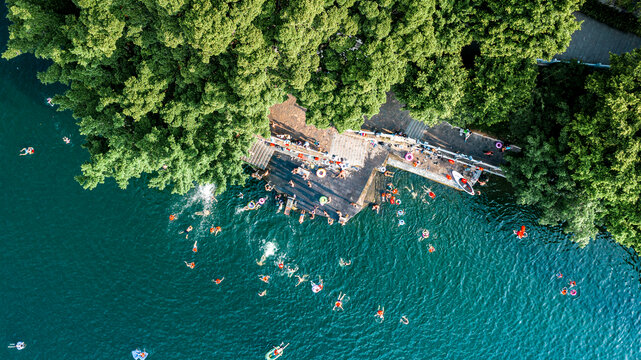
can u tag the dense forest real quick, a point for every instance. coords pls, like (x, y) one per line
(187, 84)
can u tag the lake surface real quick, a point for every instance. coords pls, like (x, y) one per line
(96, 274)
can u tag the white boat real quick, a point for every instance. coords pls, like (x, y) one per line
(276, 352)
(458, 179)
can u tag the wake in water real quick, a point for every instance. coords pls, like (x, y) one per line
(269, 249)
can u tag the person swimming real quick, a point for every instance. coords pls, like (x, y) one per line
(27, 151)
(559, 275)
(564, 291)
(572, 283)
(338, 305)
(431, 248)
(380, 313)
(316, 288)
(344, 263)
(330, 221)
(301, 279)
(521, 233)
(262, 293)
(172, 217)
(215, 230)
(401, 222)
(240, 195)
(218, 281)
(290, 271)
(264, 278)
(66, 140)
(205, 212)
(404, 320)
(280, 264)
(187, 230)
(190, 265)
(20, 345)
(195, 248)
(262, 260)
(424, 234)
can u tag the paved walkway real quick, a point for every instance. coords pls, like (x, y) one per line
(594, 42)
(393, 119)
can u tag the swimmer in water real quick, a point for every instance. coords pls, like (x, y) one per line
(301, 279)
(380, 313)
(572, 283)
(376, 208)
(215, 230)
(344, 263)
(190, 265)
(264, 278)
(187, 230)
(564, 291)
(205, 212)
(424, 235)
(404, 320)
(316, 288)
(431, 248)
(280, 264)
(290, 271)
(218, 281)
(50, 101)
(262, 261)
(66, 140)
(27, 151)
(330, 221)
(195, 248)
(401, 222)
(338, 305)
(240, 195)
(559, 275)
(262, 293)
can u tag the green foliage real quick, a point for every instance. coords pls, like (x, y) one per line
(188, 84)
(436, 90)
(581, 162)
(498, 89)
(624, 21)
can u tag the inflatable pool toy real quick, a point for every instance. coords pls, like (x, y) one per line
(321, 173)
(139, 355)
(458, 178)
(425, 234)
(251, 205)
(323, 200)
(18, 346)
(573, 292)
(261, 201)
(409, 157)
(316, 288)
(276, 352)
(400, 212)
(401, 222)
(398, 201)
(498, 144)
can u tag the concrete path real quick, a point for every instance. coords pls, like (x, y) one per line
(594, 42)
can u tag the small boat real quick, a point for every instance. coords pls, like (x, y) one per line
(458, 178)
(139, 354)
(276, 352)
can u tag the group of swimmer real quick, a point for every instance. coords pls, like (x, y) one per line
(569, 288)
(30, 150)
(215, 230)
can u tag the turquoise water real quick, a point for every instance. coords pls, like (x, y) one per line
(96, 274)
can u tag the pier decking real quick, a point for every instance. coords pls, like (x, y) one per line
(296, 151)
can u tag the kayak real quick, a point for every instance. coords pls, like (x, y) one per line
(465, 186)
(276, 352)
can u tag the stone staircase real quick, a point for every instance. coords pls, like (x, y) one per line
(259, 155)
(416, 129)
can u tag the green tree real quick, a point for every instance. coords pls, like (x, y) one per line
(188, 84)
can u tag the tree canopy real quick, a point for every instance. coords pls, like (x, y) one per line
(581, 162)
(188, 84)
